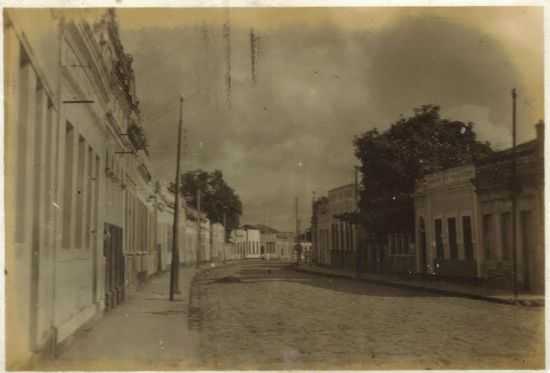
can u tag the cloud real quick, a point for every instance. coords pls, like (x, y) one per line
(499, 136)
(318, 85)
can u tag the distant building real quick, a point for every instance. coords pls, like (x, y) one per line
(284, 247)
(335, 239)
(247, 242)
(321, 231)
(269, 245)
(217, 242)
(238, 239)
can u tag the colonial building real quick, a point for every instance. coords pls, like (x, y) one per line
(268, 245)
(33, 189)
(247, 242)
(165, 221)
(253, 240)
(238, 239)
(85, 220)
(321, 231)
(464, 219)
(494, 187)
(284, 246)
(447, 239)
(335, 239)
(217, 239)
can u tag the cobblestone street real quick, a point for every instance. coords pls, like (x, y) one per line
(264, 315)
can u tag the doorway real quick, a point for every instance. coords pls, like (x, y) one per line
(422, 244)
(526, 245)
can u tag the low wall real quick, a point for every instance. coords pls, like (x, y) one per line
(399, 264)
(455, 268)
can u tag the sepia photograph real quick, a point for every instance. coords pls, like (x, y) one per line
(274, 188)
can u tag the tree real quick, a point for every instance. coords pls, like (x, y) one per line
(392, 161)
(217, 197)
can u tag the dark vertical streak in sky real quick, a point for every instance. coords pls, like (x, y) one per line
(253, 55)
(227, 37)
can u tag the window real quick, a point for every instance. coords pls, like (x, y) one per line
(48, 187)
(439, 239)
(488, 232)
(451, 225)
(527, 239)
(346, 235)
(467, 238)
(38, 133)
(68, 184)
(80, 191)
(332, 230)
(506, 234)
(351, 234)
(21, 169)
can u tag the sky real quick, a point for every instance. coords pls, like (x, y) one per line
(322, 77)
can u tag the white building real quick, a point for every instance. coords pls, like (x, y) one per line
(81, 223)
(247, 242)
(217, 242)
(285, 246)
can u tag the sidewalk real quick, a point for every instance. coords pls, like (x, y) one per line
(146, 332)
(440, 287)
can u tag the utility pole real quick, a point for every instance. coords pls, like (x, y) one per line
(224, 232)
(354, 225)
(199, 227)
(514, 195)
(297, 245)
(314, 238)
(174, 269)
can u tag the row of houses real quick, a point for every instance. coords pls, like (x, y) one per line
(463, 224)
(264, 242)
(86, 219)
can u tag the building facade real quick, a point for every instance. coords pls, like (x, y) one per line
(32, 111)
(86, 220)
(447, 235)
(238, 238)
(268, 246)
(335, 239)
(217, 239)
(464, 219)
(494, 183)
(247, 242)
(253, 243)
(284, 246)
(321, 231)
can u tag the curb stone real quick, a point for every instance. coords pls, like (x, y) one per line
(523, 302)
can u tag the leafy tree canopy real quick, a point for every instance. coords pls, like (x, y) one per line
(216, 198)
(393, 160)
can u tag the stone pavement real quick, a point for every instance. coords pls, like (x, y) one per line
(259, 315)
(436, 286)
(147, 332)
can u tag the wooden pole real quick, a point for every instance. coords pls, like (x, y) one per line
(514, 194)
(354, 225)
(174, 269)
(199, 227)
